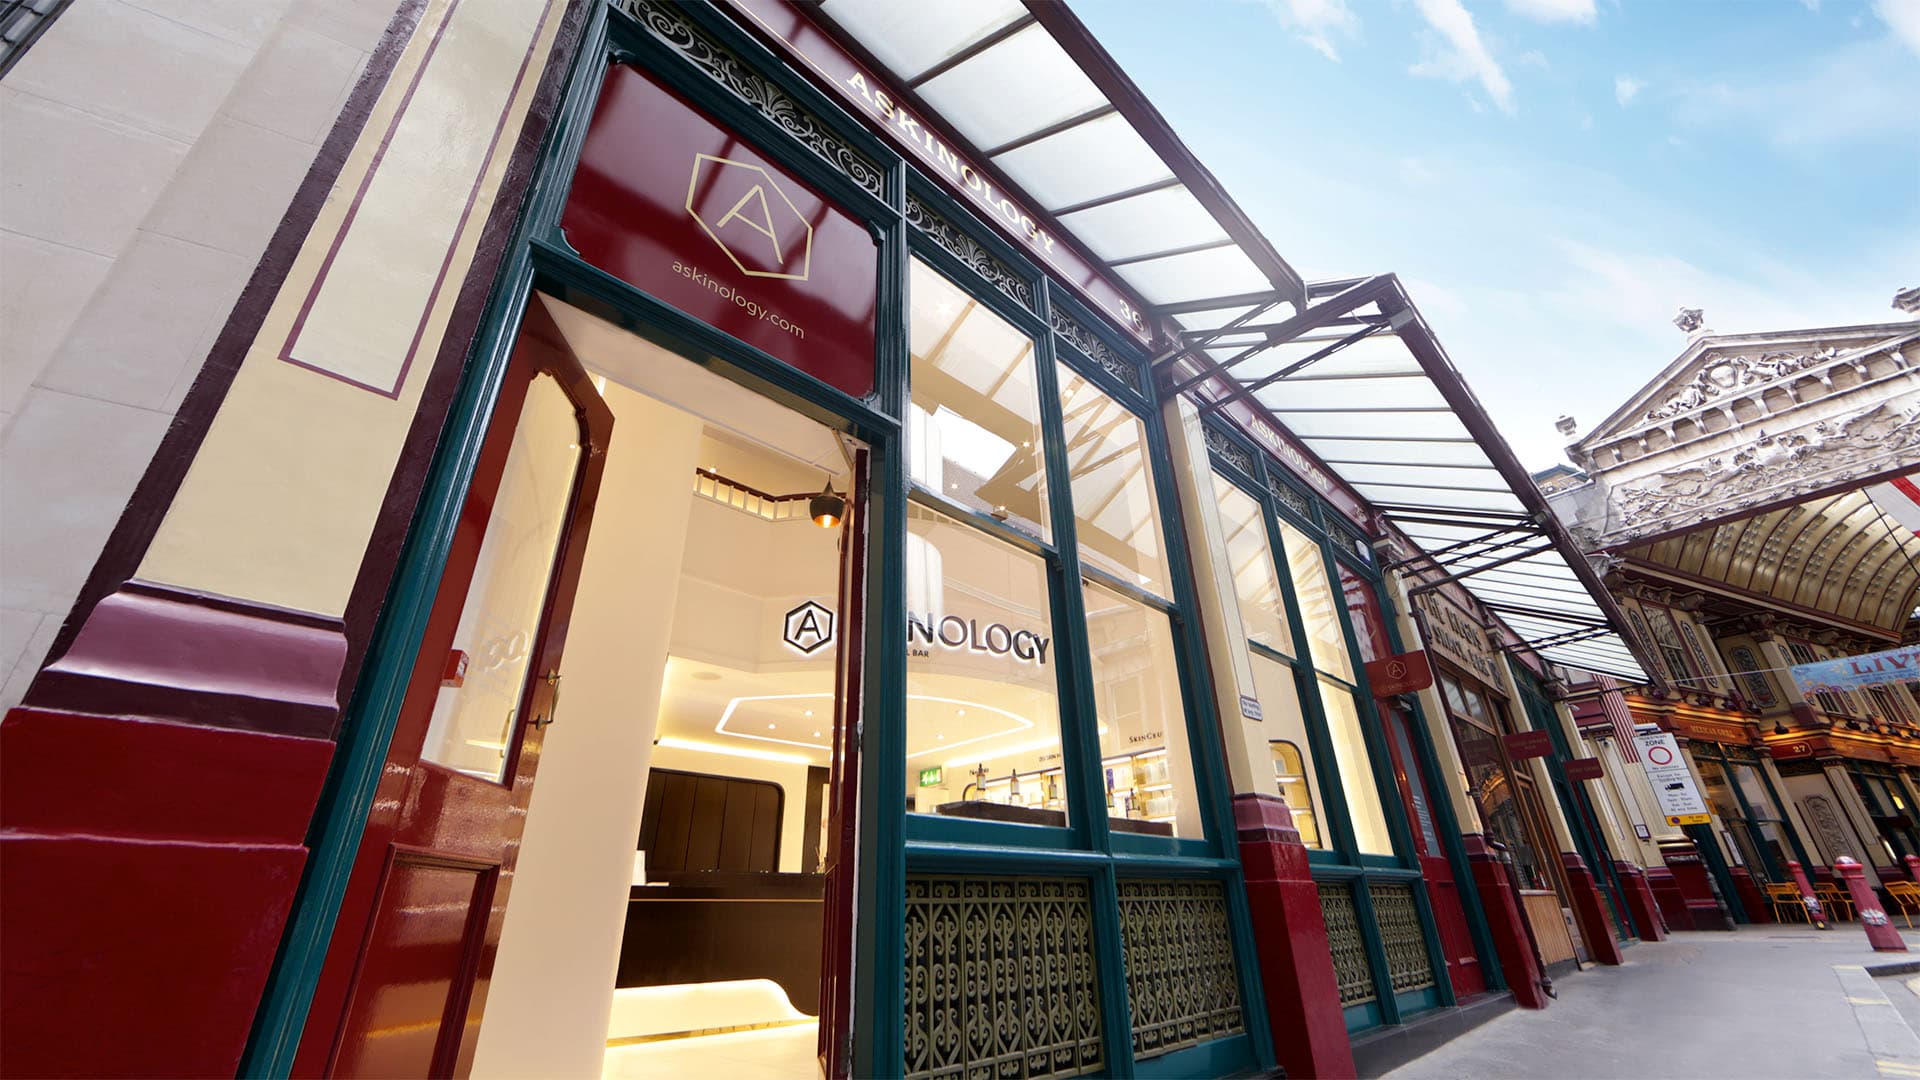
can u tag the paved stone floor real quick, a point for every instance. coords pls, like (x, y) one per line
(1764, 1001)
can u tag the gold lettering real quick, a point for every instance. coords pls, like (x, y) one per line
(766, 216)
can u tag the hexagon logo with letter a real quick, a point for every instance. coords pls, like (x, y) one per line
(740, 205)
(808, 627)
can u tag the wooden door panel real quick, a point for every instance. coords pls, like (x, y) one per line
(409, 997)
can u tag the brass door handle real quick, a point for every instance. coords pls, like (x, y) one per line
(553, 700)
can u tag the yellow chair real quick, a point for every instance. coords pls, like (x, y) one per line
(1907, 895)
(1835, 899)
(1786, 899)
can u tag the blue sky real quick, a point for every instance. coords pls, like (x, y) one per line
(1553, 178)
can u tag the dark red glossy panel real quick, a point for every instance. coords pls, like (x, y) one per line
(1590, 909)
(153, 780)
(429, 933)
(1468, 975)
(1505, 922)
(1290, 937)
(671, 202)
(133, 958)
(1645, 910)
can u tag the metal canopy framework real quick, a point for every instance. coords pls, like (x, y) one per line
(1359, 379)
(1347, 367)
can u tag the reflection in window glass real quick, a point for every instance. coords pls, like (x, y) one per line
(1263, 610)
(1317, 609)
(973, 426)
(1356, 770)
(1147, 769)
(1117, 517)
(1363, 611)
(1274, 684)
(983, 713)
(475, 724)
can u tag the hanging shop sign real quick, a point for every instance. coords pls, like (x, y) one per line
(1403, 673)
(1854, 672)
(1528, 744)
(1454, 633)
(1673, 787)
(1586, 768)
(678, 206)
(867, 95)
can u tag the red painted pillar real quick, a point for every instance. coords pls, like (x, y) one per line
(1505, 922)
(1880, 932)
(1590, 909)
(1290, 935)
(1703, 909)
(1645, 911)
(1758, 909)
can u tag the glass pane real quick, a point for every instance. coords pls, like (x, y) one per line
(1718, 792)
(1143, 721)
(1263, 610)
(1356, 771)
(474, 724)
(1273, 684)
(973, 427)
(1114, 505)
(1363, 611)
(983, 711)
(1317, 609)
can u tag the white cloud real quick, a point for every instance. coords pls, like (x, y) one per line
(1549, 11)
(1317, 22)
(1465, 57)
(1903, 17)
(1860, 93)
(1626, 88)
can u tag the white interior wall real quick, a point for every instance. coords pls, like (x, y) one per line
(552, 991)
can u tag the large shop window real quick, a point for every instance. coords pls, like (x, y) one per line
(973, 425)
(983, 711)
(1263, 609)
(1114, 509)
(1144, 759)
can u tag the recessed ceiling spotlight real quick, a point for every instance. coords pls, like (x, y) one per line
(770, 727)
(941, 738)
(816, 734)
(959, 712)
(808, 713)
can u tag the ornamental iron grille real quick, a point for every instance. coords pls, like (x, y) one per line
(1000, 978)
(1409, 964)
(1291, 498)
(1182, 986)
(1228, 451)
(719, 63)
(1085, 340)
(1351, 969)
(972, 252)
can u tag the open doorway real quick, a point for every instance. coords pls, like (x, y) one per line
(670, 909)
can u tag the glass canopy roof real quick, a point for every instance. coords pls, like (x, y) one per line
(1348, 367)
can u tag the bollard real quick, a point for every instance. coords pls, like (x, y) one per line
(1880, 932)
(1913, 866)
(1816, 914)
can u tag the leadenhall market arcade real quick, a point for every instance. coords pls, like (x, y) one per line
(812, 534)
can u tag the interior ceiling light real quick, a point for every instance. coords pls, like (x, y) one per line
(827, 508)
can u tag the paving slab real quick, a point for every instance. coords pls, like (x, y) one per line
(1760, 1002)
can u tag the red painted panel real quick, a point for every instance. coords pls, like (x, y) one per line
(1456, 939)
(430, 931)
(1590, 910)
(1585, 768)
(154, 780)
(1505, 922)
(1402, 673)
(1290, 936)
(1647, 921)
(132, 958)
(671, 202)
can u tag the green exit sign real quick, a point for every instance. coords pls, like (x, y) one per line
(932, 777)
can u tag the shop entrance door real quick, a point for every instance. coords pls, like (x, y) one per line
(406, 975)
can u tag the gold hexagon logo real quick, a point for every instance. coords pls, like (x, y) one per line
(757, 212)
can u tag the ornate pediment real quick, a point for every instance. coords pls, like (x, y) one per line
(1769, 468)
(1731, 374)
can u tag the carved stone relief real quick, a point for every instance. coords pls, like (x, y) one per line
(1732, 373)
(1768, 468)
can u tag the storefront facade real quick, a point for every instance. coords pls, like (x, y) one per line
(557, 400)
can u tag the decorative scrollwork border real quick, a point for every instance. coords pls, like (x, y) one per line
(1073, 333)
(1227, 450)
(964, 247)
(674, 31)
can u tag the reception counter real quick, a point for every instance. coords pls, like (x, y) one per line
(717, 926)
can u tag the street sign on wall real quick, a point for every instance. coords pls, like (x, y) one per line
(1403, 673)
(1528, 744)
(1672, 781)
(1585, 768)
